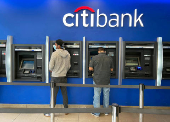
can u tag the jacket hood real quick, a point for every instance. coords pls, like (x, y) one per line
(62, 53)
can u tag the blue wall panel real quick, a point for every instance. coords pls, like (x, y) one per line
(30, 21)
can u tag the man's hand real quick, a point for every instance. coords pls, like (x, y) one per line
(91, 68)
(50, 70)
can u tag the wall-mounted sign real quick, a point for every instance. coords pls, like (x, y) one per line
(117, 17)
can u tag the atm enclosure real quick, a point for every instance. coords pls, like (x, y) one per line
(139, 60)
(28, 62)
(111, 48)
(2, 58)
(166, 60)
(75, 50)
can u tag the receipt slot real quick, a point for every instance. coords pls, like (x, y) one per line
(2, 58)
(111, 48)
(140, 60)
(166, 60)
(28, 62)
(75, 50)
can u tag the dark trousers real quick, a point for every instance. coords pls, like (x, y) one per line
(63, 89)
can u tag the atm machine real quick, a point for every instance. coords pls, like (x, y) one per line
(139, 60)
(111, 48)
(28, 62)
(166, 60)
(75, 50)
(2, 58)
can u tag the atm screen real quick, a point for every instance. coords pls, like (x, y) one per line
(132, 61)
(94, 53)
(26, 64)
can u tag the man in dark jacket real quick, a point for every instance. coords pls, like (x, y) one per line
(102, 65)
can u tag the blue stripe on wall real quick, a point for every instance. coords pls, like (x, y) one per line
(30, 21)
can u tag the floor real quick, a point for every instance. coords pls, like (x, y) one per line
(124, 117)
(74, 117)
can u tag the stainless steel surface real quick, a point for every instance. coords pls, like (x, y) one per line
(141, 101)
(147, 55)
(39, 55)
(28, 49)
(140, 47)
(52, 104)
(166, 47)
(120, 75)
(115, 113)
(159, 62)
(8, 58)
(141, 117)
(84, 59)
(72, 46)
(2, 45)
(47, 59)
(104, 46)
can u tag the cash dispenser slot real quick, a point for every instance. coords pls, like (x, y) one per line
(147, 74)
(28, 63)
(111, 49)
(75, 63)
(167, 69)
(146, 64)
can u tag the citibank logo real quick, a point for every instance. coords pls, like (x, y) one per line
(115, 18)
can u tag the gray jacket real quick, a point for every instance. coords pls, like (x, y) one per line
(59, 63)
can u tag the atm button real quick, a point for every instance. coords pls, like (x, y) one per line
(75, 54)
(146, 64)
(75, 63)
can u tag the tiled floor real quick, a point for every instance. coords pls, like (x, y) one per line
(76, 117)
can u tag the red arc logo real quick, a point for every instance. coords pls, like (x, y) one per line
(84, 7)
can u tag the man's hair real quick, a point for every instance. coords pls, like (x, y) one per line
(60, 42)
(100, 49)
